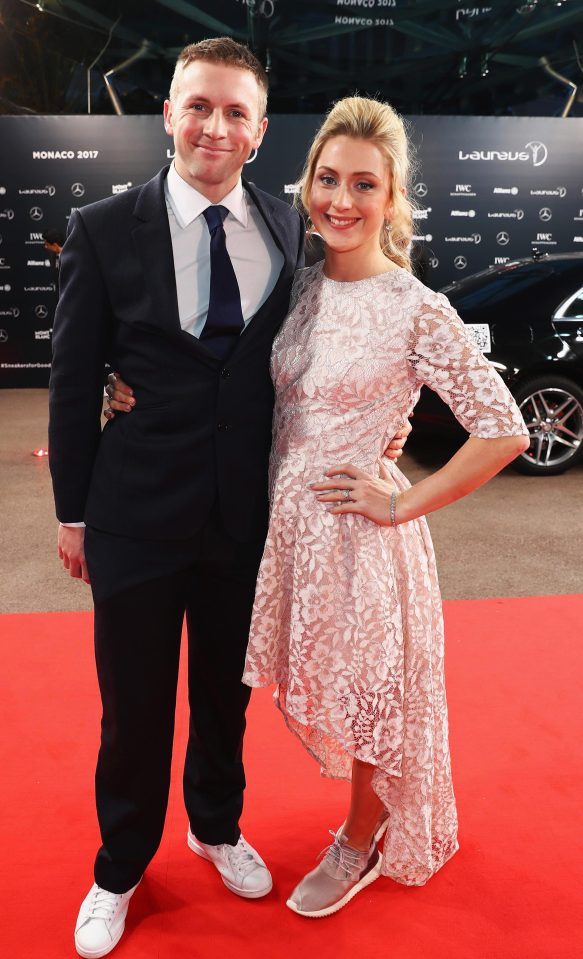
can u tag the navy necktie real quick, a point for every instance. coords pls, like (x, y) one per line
(224, 321)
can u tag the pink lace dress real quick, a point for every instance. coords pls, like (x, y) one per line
(347, 616)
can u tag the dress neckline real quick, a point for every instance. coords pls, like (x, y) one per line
(366, 279)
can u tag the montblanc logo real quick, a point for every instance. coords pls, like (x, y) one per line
(473, 238)
(503, 238)
(6, 214)
(42, 334)
(421, 214)
(460, 262)
(534, 150)
(560, 191)
(11, 311)
(36, 213)
(420, 189)
(120, 187)
(506, 215)
(470, 213)
(77, 189)
(578, 239)
(41, 311)
(38, 191)
(545, 214)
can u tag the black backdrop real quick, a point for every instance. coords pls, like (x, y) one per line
(488, 189)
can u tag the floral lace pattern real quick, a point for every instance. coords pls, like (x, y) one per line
(347, 616)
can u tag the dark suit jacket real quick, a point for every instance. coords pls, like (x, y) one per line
(201, 430)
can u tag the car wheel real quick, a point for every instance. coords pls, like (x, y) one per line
(552, 408)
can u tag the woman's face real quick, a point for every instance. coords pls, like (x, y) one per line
(351, 195)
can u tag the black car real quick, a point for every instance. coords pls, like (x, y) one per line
(527, 317)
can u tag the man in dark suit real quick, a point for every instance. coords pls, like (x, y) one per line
(181, 285)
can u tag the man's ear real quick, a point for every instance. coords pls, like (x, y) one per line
(168, 118)
(260, 133)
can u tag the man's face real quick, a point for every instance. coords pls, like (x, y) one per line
(214, 120)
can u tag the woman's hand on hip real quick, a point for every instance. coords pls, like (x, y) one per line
(120, 396)
(351, 490)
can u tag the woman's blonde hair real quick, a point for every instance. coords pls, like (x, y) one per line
(364, 119)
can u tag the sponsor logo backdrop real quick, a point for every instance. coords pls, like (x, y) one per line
(488, 190)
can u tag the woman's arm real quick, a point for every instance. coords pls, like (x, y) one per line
(473, 465)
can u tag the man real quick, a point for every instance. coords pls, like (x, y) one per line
(181, 285)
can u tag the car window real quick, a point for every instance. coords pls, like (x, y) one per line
(572, 307)
(488, 289)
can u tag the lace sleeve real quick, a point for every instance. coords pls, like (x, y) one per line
(444, 356)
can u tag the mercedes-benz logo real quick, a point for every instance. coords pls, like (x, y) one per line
(433, 262)
(545, 214)
(41, 311)
(3, 336)
(460, 262)
(77, 189)
(36, 213)
(503, 238)
(420, 189)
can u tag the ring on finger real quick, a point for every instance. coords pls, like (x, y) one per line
(346, 493)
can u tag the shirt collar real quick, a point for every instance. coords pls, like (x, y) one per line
(187, 203)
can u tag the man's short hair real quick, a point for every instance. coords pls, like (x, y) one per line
(227, 51)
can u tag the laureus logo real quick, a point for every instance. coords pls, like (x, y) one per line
(538, 152)
(534, 150)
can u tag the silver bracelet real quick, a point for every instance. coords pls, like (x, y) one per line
(393, 508)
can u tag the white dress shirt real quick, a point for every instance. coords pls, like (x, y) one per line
(256, 259)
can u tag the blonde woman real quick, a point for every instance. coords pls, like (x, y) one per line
(347, 618)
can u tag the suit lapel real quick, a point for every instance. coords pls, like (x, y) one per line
(277, 222)
(154, 248)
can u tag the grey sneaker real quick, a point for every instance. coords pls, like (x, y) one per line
(241, 867)
(342, 873)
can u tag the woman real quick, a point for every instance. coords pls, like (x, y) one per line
(347, 617)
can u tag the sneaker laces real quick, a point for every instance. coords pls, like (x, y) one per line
(102, 905)
(241, 857)
(341, 856)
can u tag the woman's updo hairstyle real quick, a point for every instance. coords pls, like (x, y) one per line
(364, 119)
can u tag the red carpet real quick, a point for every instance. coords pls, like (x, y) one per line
(513, 890)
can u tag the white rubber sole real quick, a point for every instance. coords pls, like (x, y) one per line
(335, 907)
(98, 953)
(200, 850)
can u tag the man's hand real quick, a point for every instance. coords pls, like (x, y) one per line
(72, 552)
(395, 447)
(120, 396)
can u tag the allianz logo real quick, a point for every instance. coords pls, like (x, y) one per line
(534, 150)
(469, 213)
(578, 239)
(38, 262)
(473, 238)
(423, 238)
(506, 215)
(506, 190)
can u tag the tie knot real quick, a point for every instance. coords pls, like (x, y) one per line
(214, 216)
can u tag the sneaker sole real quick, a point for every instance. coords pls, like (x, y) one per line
(330, 910)
(244, 893)
(98, 953)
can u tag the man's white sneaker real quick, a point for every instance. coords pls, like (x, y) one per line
(242, 869)
(101, 921)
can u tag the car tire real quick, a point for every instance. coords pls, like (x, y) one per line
(556, 445)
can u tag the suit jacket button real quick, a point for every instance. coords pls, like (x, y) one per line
(225, 373)
(222, 427)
